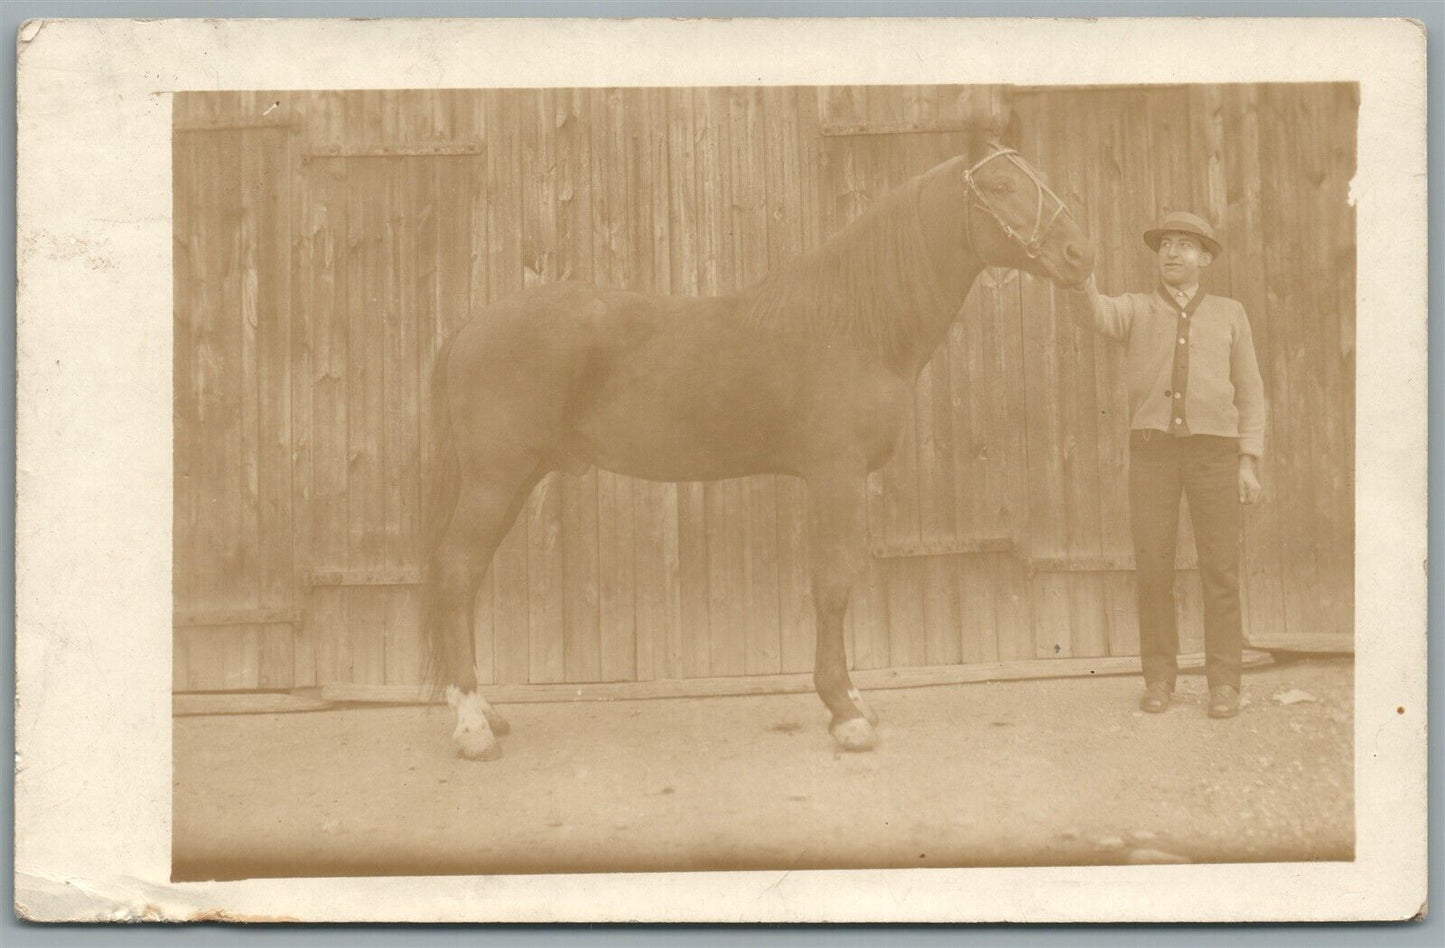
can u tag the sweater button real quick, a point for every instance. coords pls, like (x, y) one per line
(1181, 340)
(1178, 394)
(1167, 393)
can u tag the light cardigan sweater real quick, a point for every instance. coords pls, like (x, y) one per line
(1191, 370)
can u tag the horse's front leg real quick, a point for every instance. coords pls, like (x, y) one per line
(838, 531)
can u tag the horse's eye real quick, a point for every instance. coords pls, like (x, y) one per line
(1000, 187)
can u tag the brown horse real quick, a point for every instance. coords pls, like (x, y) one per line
(807, 373)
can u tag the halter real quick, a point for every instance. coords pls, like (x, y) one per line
(1034, 245)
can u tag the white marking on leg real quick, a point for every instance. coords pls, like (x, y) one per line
(473, 735)
(497, 723)
(866, 709)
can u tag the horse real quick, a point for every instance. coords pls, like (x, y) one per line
(806, 373)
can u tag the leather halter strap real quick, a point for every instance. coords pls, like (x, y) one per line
(1033, 245)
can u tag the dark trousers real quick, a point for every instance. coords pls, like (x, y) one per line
(1206, 470)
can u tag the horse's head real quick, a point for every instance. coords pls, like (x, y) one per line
(1011, 218)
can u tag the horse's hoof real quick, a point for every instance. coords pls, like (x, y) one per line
(477, 745)
(499, 725)
(854, 735)
(477, 725)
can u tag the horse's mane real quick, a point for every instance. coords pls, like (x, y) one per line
(871, 284)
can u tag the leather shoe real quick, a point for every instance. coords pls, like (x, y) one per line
(1223, 701)
(1156, 697)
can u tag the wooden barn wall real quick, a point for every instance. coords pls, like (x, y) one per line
(325, 243)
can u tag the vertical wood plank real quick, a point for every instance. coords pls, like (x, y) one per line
(1337, 109)
(750, 169)
(1012, 608)
(969, 357)
(423, 332)
(242, 171)
(1332, 411)
(937, 518)
(670, 652)
(305, 222)
(546, 588)
(276, 668)
(531, 207)
(979, 617)
(942, 610)
(613, 265)
(693, 646)
(1088, 626)
(273, 388)
(366, 608)
(1052, 615)
(207, 578)
(792, 227)
(365, 612)
(844, 191)
(725, 541)
(405, 651)
(1121, 612)
(188, 212)
(904, 477)
(1323, 190)
(907, 619)
(1078, 414)
(1116, 218)
(1293, 449)
(502, 247)
(654, 504)
(329, 290)
(400, 605)
(1047, 518)
(1080, 425)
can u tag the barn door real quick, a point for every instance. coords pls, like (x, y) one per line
(386, 248)
(235, 609)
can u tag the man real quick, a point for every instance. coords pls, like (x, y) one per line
(1196, 407)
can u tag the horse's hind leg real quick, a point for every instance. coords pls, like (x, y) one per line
(838, 531)
(486, 506)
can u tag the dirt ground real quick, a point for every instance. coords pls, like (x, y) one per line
(1058, 772)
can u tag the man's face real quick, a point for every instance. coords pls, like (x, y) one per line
(1181, 259)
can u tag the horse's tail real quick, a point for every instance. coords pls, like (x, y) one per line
(445, 487)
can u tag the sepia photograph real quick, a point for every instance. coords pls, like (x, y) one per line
(585, 480)
(796, 471)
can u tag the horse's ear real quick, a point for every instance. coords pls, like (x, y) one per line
(980, 143)
(1012, 131)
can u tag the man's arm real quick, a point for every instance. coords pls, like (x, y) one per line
(1248, 389)
(1249, 399)
(1111, 315)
